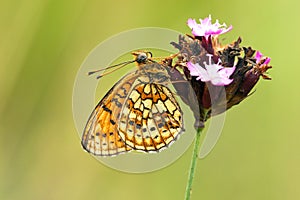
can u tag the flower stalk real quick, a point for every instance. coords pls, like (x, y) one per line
(191, 175)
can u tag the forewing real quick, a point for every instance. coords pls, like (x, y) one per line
(151, 118)
(100, 136)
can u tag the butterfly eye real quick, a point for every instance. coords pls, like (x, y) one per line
(141, 58)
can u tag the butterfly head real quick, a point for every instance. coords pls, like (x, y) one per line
(142, 57)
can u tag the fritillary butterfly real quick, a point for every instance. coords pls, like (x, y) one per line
(138, 113)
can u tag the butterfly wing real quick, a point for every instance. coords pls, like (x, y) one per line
(100, 136)
(151, 118)
(136, 113)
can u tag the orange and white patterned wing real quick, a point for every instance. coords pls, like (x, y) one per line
(100, 136)
(151, 118)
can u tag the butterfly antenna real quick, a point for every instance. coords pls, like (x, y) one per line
(140, 58)
(119, 66)
(112, 66)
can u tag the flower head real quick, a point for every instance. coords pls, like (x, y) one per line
(233, 66)
(215, 73)
(206, 28)
(207, 79)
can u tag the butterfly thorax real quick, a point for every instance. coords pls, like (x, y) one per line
(154, 73)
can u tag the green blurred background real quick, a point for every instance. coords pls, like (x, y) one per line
(43, 44)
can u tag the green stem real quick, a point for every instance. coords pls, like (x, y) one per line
(193, 165)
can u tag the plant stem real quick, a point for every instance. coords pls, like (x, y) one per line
(193, 165)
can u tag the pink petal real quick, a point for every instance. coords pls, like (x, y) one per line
(206, 28)
(215, 73)
(197, 70)
(258, 56)
(192, 23)
(227, 30)
(227, 71)
(212, 32)
(206, 21)
(267, 61)
(222, 82)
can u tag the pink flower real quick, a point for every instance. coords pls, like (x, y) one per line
(206, 28)
(215, 73)
(259, 57)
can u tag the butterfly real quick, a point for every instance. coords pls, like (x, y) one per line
(138, 113)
